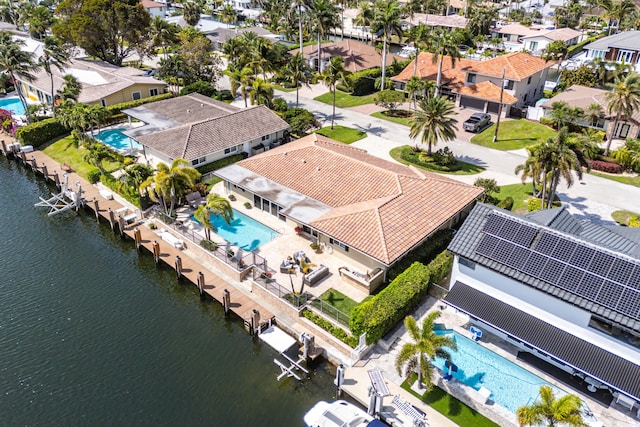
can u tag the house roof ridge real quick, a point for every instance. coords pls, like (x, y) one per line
(187, 140)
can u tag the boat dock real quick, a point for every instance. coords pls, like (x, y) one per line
(254, 316)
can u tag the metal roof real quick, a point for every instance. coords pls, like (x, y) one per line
(625, 40)
(584, 272)
(608, 368)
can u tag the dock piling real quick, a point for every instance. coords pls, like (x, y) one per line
(121, 225)
(255, 322)
(226, 301)
(156, 251)
(4, 147)
(112, 220)
(96, 208)
(178, 266)
(45, 172)
(137, 236)
(201, 283)
(56, 179)
(34, 165)
(23, 156)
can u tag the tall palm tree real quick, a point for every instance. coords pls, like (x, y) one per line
(624, 100)
(616, 11)
(228, 14)
(261, 93)
(426, 346)
(243, 80)
(163, 34)
(203, 216)
(70, 90)
(386, 20)
(417, 36)
(324, 18)
(297, 72)
(54, 54)
(364, 18)
(296, 10)
(415, 85)
(593, 113)
(18, 64)
(216, 205)
(441, 44)
(331, 75)
(530, 169)
(170, 183)
(549, 411)
(97, 153)
(434, 120)
(191, 12)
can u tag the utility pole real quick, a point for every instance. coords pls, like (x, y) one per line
(495, 135)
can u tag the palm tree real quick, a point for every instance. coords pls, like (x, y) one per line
(216, 205)
(624, 100)
(364, 18)
(324, 17)
(415, 85)
(54, 54)
(530, 169)
(163, 34)
(296, 11)
(417, 36)
(549, 411)
(332, 73)
(241, 79)
(134, 175)
(261, 93)
(70, 90)
(434, 120)
(228, 14)
(97, 153)
(616, 11)
(593, 113)
(443, 44)
(386, 19)
(297, 72)
(426, 346)
(191, 12)
(17, 64)
(170, 183)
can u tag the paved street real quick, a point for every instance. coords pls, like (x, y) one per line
(593, 198)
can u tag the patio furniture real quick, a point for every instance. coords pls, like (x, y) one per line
(287, 266)
(194, 199)
(316, 275)
(172, 240)
(297, 256)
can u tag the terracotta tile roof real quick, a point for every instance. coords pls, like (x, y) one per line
(147, 4)
(487, 90)
(357, 56)
(212, 135)
(449, 21)
(519, 65)
(380, 208)
(428, 70)
(564, 34)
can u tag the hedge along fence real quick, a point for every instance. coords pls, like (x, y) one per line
(424, 253)
(383, 312)
(39, 133)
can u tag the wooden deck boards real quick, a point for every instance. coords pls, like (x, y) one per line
(241, 304)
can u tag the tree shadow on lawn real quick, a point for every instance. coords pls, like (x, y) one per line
(472, 160)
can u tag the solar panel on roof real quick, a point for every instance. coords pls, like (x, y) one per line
(487, 245)
(502, 252)
(547, 243)
(525, 235)
(564, 250)
(571, 278)
(519, 257)
(509, 229)
(582, 256)
(633, 279)
(630, 303)
(535, 264)
(590, 286)
(493, 224)
(610, 294)
(552, 272)
(621, 270)
(601, 263)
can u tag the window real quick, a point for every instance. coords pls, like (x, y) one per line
(339, 244)
(266, 137)
(103, 102)
(625, 56)
(508, 84)
(529, 80)
(597, 53)
(153, 92)
(467, 263)
(525, 97)
(199, 161)
(533, 46)
(230, 149)
(471, 78)
(136, 95)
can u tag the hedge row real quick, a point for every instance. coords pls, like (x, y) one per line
(383, 312)
(117, 108)
(220, 163)
(423, 253)
(41, 132)
(331, 328)
(609, 167)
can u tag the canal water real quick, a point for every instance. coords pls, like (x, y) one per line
(91, 333)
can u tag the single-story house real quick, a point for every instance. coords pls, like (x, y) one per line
(431, 20)
(621, 47)
(102, 83)
(202, 130)
(360, 207)
(154, 8)
(478, 84)
(357, 56)
(564, 291)
(582, 97)
(220, 36)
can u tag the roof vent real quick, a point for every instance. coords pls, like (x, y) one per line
(318, 168)
(202, 105)
(304, 161)
(188, 111)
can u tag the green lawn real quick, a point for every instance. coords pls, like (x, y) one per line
(450, 407)
(342, 134)
(514, 134)
(346, 100)
(282, 88)
(520, 194)
(624, 179)
(401, 120)
(64, 151)
(622, 217)
(407, 156)
(338, 300)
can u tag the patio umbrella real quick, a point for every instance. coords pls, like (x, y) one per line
(452, 368)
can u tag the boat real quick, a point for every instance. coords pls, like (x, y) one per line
(339, 414)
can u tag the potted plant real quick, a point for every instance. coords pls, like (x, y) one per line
(247, 205)
(230, 253)
(315, 247)
(266, 275)
(152, 226)
(241, 263)
(232, 197)
(298, 230)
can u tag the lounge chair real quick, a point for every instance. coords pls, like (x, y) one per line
(194, 199)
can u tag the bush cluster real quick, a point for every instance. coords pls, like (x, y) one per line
(534, 205)
(116, 186)
(220, 163)
(604, 166)
(93, 176)
(209, 245)
(634, 222)
(117, 108)
(383, 312)
(444, 157)
(41, 132)
(300, 120)
(331, 328)
(363, 82)
(506, 203)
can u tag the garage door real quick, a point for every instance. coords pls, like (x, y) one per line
(493, 107)
(473, 103)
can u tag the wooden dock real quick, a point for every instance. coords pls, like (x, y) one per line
(207, 281)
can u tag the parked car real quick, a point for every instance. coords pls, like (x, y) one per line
(477, 122)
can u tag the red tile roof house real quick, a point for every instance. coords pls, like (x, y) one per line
(477, 84)
(202, 130)
(362, 208)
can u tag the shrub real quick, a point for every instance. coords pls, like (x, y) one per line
(534, 205)
(117, 187)
(608, 167)
(441, 266)
(380, 314)
(279, 105)
(224, 95)
(232, 197)
(363, 82)
(300, 120)
(93, 176)
(209, 245)
(226, 161)
(506, 203)
(116, 108)
(634, 222)
(40, 132)
(444, 157)
(389, 99)
(331, 328)
(247, 205)
(202, 87)
(546, 121)
(423, 253)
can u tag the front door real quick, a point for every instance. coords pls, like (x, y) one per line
(622, 130)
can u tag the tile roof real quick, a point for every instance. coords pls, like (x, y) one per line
(380, 208)
(609, 243)
(199, 139)
(564, 34)
(147, 4)
(487, 90)
(583, 97)
(357, 56)
(519, 66)
(449, 21)
(582, 355)
(520, 30)
(99, 79)
(190, 108)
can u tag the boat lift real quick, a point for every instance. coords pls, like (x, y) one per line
(66, 200)
(282, 342)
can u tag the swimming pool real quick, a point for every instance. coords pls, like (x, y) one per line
(12, 104)
(244, 232)
(115, 138)
(511, 386)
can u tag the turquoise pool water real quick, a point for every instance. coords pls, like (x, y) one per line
(116, 139)
(244, 232)
(12, 104)
(511, 386)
